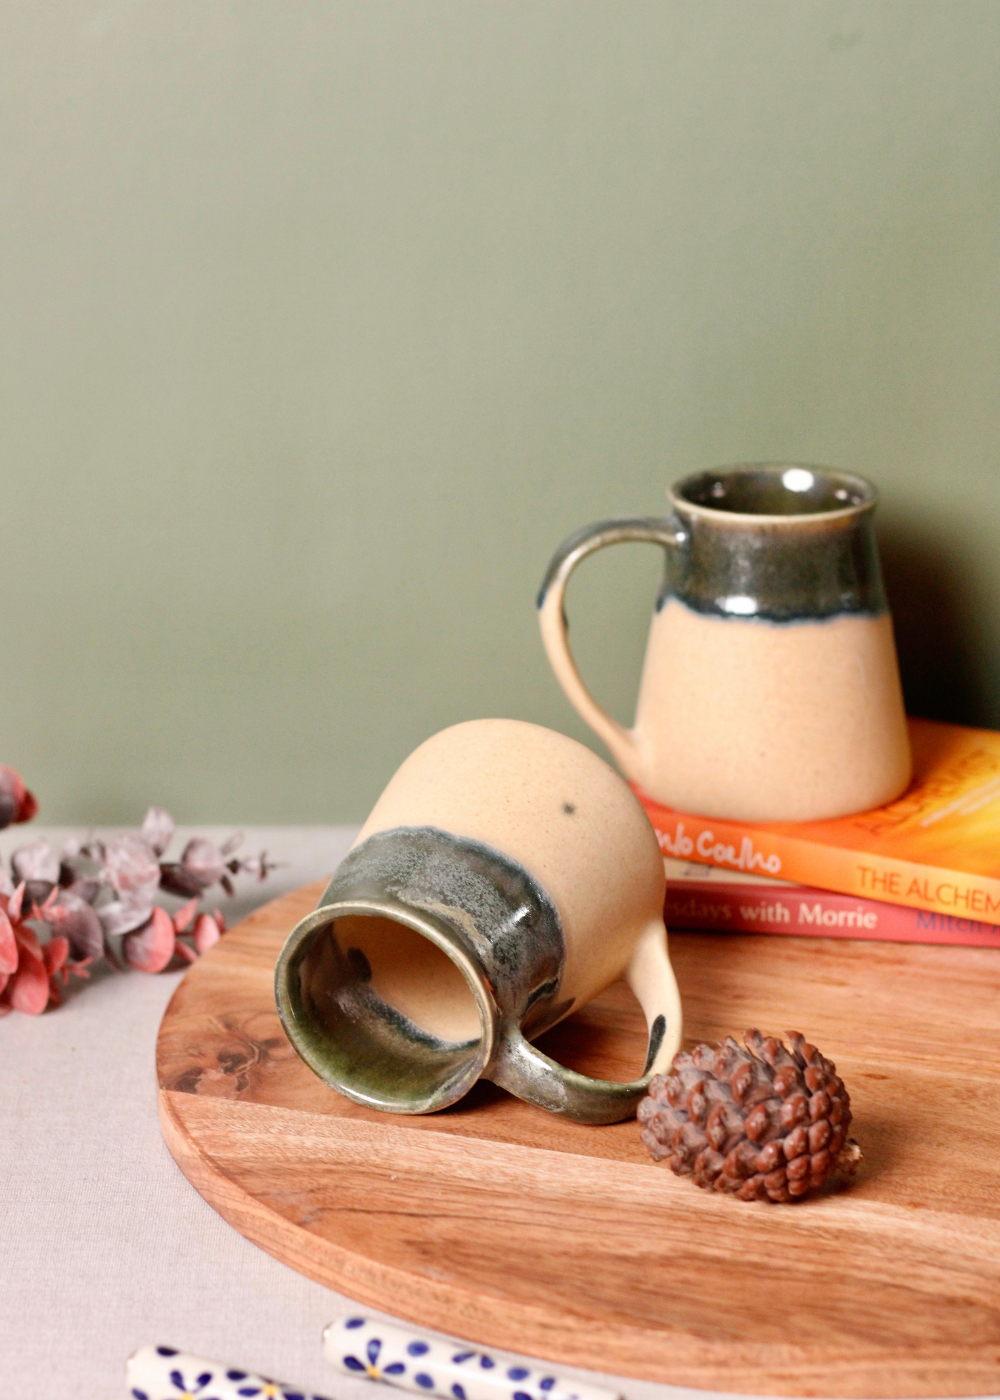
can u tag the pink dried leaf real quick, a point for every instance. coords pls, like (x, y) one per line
(41, 911)
(151, 948)
(185, 951)
(177, 879)
(74, 919)
(229, 846)
(206, 933)
(36, 862)
(55, 953)
(8, 946)
(27, 941)
(203, 860)
(131, 867)
(185, 914)
(85, 887)
(124, 916)
(259, 865)
(220, 919)
(92, 848)
(158, 829)
(36, 892)
(28, 989)
(15, 902)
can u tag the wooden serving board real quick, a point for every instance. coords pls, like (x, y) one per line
(501, 1224)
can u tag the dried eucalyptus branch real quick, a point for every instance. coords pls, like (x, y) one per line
(97, 899)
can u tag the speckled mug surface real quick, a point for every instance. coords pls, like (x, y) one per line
(505, 877)
(770, 689)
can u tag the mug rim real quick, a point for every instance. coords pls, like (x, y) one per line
(436, 932)
(719, 515)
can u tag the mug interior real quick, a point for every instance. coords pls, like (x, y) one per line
(775, 489)
(386, 1014)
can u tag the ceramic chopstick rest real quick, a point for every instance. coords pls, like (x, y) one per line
(163, 1373)
(360, 1346)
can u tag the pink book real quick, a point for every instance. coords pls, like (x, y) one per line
(709, 897)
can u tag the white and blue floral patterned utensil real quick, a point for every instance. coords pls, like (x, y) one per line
(360, 1346)
(163, 1373)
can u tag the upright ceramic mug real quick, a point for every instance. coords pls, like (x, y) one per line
(504, 878)
(770, 690)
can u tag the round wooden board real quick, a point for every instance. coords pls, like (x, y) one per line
(504, 1225)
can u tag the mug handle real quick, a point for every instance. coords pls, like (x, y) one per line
(523, 1070)
(552, 617)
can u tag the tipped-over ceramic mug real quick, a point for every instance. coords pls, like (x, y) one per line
(505, 877)
(770, 690)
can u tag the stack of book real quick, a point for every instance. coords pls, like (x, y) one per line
(923, 869)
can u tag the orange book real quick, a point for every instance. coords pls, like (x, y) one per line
(937, 847)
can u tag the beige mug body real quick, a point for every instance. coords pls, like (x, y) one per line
(770, 689)
(504, 878)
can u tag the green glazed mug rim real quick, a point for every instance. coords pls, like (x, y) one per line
(301, 1032)
(720, 515)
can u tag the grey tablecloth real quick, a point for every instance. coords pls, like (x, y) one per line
(103, 1244)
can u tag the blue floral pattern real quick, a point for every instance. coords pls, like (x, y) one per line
(368, 1365)
(363, 1346)
(194, 1378)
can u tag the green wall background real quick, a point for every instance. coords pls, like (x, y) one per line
(321, 324)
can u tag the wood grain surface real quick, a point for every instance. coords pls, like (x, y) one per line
(501, 1224)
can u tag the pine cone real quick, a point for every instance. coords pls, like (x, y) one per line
(767, 1125)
